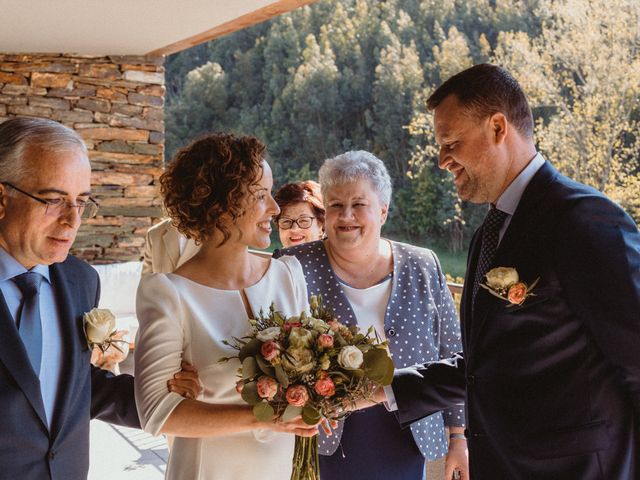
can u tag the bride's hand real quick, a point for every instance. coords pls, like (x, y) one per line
(297, 426)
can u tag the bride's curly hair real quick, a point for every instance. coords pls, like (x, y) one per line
(206, 184)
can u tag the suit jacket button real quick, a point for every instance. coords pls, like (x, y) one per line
(470, 380)
(391, 332)
(52, 455)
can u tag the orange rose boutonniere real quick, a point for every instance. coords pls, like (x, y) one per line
(504, 283)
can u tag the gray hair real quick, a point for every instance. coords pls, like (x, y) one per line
(353, 166)
(19, 133)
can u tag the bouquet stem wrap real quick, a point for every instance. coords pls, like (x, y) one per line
(306, 465)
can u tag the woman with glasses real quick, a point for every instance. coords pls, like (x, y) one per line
(301, 218)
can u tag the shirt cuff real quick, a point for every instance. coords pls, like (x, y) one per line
(390, 404)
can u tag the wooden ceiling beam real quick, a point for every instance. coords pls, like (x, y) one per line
(248, 20)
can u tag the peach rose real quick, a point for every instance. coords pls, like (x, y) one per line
(297, 395)
(289, 325)
(239, 386)
(270, 350)
(517, 293)
(267, 387)
(334, 325)
(324, 386)
(325, 340)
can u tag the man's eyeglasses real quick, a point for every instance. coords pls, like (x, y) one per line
(285, 223)
(57, 207)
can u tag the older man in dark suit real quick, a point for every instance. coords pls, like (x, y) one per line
(552, 372)
(48, 390)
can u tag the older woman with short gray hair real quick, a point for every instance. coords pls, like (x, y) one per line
(398, 289)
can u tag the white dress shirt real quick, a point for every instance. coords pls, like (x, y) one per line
(510, 198)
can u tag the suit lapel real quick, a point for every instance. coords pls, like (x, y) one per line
(466, 302)
(171, 248)
(14, 356)
(526, 214)
(73, 338)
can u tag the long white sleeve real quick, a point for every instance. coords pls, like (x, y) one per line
(159, 350)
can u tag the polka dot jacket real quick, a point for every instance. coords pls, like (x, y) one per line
(420, 323)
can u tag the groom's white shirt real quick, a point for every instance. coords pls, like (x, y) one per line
(510, 198)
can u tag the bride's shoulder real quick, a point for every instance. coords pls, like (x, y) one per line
(158, 282)
(288, 265)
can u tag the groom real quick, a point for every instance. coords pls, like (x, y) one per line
(552, 383)
(48, 390)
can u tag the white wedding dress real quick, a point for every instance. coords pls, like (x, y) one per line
(181, 319)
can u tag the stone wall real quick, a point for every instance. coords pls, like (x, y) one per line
(116, 104)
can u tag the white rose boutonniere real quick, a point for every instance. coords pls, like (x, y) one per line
(504, 283)
(502, 277)
(100, 329)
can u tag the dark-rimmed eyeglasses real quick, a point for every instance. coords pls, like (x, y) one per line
(57, 207)
(285, 223)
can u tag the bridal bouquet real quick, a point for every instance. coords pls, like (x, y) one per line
(309, 365)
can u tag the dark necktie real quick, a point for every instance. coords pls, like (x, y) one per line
(29, 323)
(490, 234)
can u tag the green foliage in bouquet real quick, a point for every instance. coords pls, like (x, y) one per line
(308, 365)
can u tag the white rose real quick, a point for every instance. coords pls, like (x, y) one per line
(300, 337)
(299, 360)
(99, 324)
(502, 277)
(350, 357)
(268, 334)
(318, 325)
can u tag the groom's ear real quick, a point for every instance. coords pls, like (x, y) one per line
(499, 127)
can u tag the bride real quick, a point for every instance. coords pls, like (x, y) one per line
(218, 193)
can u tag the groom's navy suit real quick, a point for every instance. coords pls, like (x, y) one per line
(553, 385)
(29, 449)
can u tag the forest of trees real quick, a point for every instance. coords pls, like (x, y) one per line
(354, 74)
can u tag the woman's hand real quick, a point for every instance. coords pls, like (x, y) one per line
(457, 459)
(186, 382)
(297, 426)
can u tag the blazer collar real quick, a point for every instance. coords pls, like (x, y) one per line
(171, 247)
(190, 249)
(14, 356)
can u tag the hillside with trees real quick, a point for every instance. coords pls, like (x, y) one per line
(354, 74)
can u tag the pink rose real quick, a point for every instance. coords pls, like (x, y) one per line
(270, 350)
(325, 340)
(239, 386)
(289, 325)
(297, 395)
(267, 387)
(334, 325)
(517, 293)
(324, 386)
